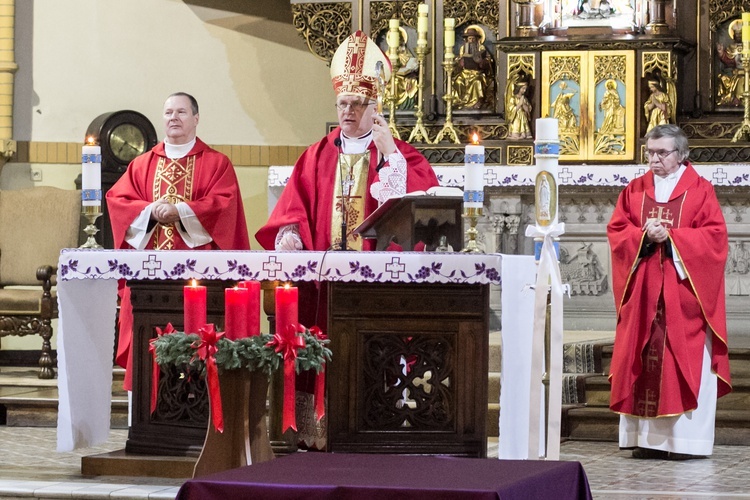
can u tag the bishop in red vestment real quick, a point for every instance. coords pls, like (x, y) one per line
(669, 245)
(337, 183)
(180, 195)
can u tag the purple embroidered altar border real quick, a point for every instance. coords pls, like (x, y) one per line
(403, 267)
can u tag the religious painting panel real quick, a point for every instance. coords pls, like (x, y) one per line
(613, 106)
(562, 98)
(729, 74)
(613, 13)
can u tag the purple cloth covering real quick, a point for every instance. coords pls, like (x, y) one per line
(314, 476)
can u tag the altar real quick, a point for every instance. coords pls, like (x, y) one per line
(87, 295)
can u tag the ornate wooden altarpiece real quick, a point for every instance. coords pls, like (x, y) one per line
(596, 65)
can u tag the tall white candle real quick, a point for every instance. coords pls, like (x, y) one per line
(91, 175)
(394, 35)
(450, 35)
(422, 10)
(474, 175)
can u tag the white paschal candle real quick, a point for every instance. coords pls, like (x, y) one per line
(546, 151)
(91, 175)
(474, 176)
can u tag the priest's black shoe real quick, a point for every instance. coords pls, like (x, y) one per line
(683, 456)
(650, 453)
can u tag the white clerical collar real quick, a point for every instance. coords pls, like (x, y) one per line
(663, 186)
(352, 146)
(177, 151)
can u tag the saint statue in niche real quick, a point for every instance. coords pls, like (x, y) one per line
(518, 108)
(474, 77)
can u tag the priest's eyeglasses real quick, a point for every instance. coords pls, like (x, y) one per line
(354, 106)
(661, 154)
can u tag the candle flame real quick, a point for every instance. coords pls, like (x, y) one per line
(287, 285)
(91, 141)
(193, 283)
(475, 138)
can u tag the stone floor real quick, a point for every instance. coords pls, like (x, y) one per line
(31, 468)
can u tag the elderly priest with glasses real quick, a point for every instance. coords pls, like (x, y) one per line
(670, 362)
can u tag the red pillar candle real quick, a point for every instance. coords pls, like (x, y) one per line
(195, 307)
(236, 313)
(286, 308)
(254, 311)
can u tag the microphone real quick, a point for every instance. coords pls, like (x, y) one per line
(381, 163)
(337, 143)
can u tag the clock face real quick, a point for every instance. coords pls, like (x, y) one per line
(127, 141)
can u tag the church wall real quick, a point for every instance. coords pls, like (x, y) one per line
(253, 76)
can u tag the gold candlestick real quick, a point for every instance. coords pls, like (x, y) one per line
(743, 133)
(419, 132)
(91, 213)
(394, 37)
(472, 214)
(448, 129)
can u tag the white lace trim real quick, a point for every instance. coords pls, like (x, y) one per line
(391, 178)
(288, 238)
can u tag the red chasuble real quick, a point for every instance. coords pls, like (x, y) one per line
(206, 181)
(307, 199)
(662, 320)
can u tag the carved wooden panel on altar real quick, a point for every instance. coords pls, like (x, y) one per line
(413, 382)
(592, 95)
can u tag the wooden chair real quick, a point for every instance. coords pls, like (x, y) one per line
(35, 224)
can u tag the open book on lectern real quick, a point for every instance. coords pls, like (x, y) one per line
(366, 229)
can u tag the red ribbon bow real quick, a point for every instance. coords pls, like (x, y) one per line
(320, 379)
(288, 344)
(156, 370)
(206, 350)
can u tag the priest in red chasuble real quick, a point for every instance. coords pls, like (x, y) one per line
(338, 182)
(181, 195)
(669, 245)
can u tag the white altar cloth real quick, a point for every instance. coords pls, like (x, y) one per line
(87, 297)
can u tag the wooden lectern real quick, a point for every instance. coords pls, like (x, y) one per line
(409, 220)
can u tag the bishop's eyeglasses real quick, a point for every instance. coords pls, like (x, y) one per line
(355, 106)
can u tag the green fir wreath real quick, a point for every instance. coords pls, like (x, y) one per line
(250, 353)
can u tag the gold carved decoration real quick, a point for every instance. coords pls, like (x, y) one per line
(520, 155)
(720, 11)
(712, 131)
(663, 61)
(382, 12)
(323, 26)
(485, 12)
